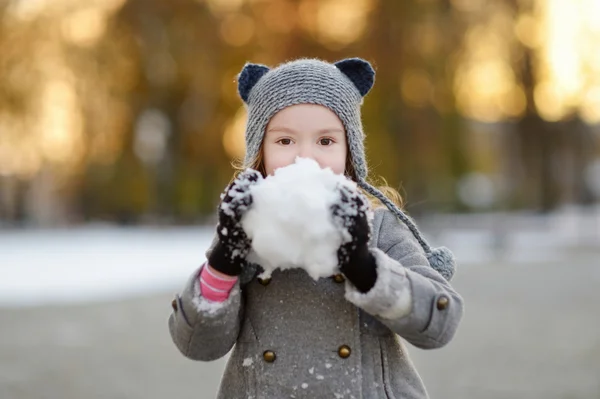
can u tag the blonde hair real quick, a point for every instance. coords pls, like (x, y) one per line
(259, 165)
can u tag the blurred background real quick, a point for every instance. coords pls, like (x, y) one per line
(128, 110)
(119, 121)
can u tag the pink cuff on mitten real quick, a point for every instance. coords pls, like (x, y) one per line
(213, 287)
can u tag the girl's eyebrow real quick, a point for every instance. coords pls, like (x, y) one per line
(281, 129)
(331, 130)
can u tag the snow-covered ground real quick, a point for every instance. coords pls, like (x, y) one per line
(518, 238)
(529, 319)
(529, 331)
(39, 267)
(97, 263)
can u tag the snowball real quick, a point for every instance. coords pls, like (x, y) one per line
(290, 221)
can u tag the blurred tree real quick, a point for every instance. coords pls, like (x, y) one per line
(129, 108)
(413, 107)
(533, 141)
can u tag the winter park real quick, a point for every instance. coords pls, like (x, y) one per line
(299, 199)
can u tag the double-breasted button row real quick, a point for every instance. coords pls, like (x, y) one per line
(264, 281)
(269, 356)
(344, 352)
(442, 302)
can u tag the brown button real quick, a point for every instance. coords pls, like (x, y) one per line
(264, 281)
(174, 304)
(339, 278)
(269, 356)
(344, 351)
(442, 303)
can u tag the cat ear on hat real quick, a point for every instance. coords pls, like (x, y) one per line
(360, 72)
(250, 75)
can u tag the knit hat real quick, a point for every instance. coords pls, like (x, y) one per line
(340, 87)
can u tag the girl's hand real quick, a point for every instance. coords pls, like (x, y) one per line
(355, 259)
(230, 252)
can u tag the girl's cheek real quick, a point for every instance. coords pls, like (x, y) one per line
(278, 158)
(337, 168)
(285, 159)
(335, 159)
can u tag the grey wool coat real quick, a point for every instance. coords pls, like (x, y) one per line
(299, 338)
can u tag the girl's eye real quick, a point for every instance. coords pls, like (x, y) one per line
(325, 141)
(285, 141)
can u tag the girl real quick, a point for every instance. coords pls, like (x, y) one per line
(332, 338)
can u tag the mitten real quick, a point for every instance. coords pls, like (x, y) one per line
(230, 251)
(355, 260)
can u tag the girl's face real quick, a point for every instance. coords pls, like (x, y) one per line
(307, 131)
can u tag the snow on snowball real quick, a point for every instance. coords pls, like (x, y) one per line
(290, 221)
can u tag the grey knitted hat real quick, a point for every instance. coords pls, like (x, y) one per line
(340, 87)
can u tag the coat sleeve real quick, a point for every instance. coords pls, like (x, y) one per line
(409, 297)
(202, 329)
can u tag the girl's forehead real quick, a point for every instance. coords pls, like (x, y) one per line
(306, 115)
